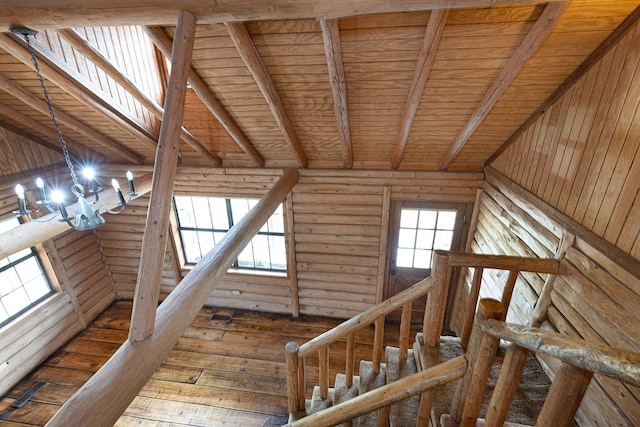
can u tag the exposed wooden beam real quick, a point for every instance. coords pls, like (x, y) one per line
(80, 13)
(95, 56)
(333, 52)
(163, 43)
(54, 70)
(73, 146)
(432, 36)
(137, 362)
(258, 69)
(532, 41)
(47, 227)
(604, 47)
(68, 120)
(154, 241)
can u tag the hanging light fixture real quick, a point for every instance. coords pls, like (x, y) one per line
(85, 215)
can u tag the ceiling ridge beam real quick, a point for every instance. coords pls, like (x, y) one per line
(530, 44)
(71, 122)
(65, 14)
(163, 43)
(62, 76)
(258, 69)
(333, 53)
(604, 47)
(432, 37)
(85, 48)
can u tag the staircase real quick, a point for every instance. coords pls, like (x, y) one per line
(401, 386)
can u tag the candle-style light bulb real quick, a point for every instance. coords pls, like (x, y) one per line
(90, 174)
(20, 191)
(42, 197)
(22, 207)
(132, 188)
(116, 187)
(58, 198)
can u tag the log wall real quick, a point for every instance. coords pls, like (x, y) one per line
(575, 171)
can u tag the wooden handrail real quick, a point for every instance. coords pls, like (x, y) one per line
(367, 317)
(386, 395)
(504, 262)
(603, 359)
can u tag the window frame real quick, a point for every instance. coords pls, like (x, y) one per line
(235, 267)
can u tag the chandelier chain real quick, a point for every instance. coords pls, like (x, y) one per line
(65, 151)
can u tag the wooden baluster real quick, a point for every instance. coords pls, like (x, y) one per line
(564, 396)
(350, 358)
(437, 299)
(378, 342)
(405, 330)
(383, 416)
(302, 390)
(480, 353)
(293, 397)
(474, 293)
(507, 292)
(323, 371)
(506, 386)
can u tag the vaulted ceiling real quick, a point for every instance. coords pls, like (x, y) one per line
(320, 84)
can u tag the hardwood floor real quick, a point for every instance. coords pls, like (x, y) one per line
(228, 369)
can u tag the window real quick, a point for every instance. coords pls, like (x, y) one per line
(22, 280)
(204, 221)
(423, 231)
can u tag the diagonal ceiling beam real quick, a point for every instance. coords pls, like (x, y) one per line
(258, 69)
(333, 52)
(36, 126)
(80, 13)
(59, 73)
(532, 41)
(163, 43)
(40, 105)
(95, 56)
(432, 36)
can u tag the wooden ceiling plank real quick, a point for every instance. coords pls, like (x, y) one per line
(333, 52)
(163, 43)
(154, 241)
(258, 69)
(604, 47)
(78, 13)
(57, 72)
(40, 105)
(83, 46)
(432, 36)
(532, 41)
(73, 146)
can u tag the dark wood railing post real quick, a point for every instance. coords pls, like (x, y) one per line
(480, 354)
(470, 311)
(350, 359)
(436, 299)
(405, 331)
(323, 371)
(293, 388)
(506, 386)
(378, 343)
(564, 396)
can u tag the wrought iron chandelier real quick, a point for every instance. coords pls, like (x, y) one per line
(84, 215)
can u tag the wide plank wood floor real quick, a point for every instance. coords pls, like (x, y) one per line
(228, 369)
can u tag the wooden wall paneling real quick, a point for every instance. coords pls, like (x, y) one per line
(292, 264)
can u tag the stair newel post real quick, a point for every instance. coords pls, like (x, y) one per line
(350, 359)
(564, 396)
(506, 386)
(378, 343)
(480, 354)
(437, 299)
(293, 376)
(323, 367)
(405, 330)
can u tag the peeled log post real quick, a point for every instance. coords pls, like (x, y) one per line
(102, 400)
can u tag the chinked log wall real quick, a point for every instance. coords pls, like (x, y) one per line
(340, 221)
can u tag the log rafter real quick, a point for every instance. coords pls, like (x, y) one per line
(258, 69)
(432, 36)
(530, 44)
(333, 52)
(163, 43)
(85, 48)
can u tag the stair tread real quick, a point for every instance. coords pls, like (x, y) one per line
(447, 421)
(370, 380)
(342, 393)
(317, 403)
(405, 412)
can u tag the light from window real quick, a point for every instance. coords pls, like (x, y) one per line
(22, 280)
(422, 231)
(204, 221)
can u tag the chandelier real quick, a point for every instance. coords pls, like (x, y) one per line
(84, 215)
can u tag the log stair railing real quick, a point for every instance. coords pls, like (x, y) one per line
(425, 351)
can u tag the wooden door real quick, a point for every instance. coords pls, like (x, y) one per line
(417, 229)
